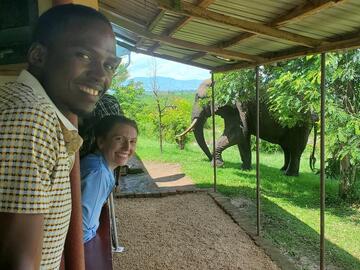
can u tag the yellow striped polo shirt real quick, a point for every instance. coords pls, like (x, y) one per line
(34, 162)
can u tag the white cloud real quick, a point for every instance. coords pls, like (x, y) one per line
(141, 66)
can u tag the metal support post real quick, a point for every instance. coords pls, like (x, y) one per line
(258, 194)
(213, 124)
(322, 166)
(114, 235)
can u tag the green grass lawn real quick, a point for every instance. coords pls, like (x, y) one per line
(290, 205)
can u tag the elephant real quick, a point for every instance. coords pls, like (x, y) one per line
(240, 124)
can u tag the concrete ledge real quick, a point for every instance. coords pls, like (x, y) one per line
(158, 193)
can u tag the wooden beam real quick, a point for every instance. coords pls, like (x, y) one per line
(196, 56)
(235, 40)
(350, 43)
(188, 9)
(304, 10)
(109, 9)
(155, 21)
(167, 57)
(170, 32)
(155, 47)
(205, 3)
(186, 20)
(139, 43)
(307, 9)
(179, 60)
(115, 17)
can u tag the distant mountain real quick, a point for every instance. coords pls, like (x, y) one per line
(168, 84)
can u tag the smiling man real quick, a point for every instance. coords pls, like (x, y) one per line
(70, 65)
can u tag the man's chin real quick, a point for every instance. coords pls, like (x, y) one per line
(84, 113)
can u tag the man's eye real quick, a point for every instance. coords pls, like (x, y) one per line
(83, 56)
(110, 68)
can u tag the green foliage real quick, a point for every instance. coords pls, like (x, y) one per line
(265, 147)
(343, 134)
(294, 90)
(176, 118)
(129, 95)
(343, 124)
(235, 85)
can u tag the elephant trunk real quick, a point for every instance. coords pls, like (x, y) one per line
(199, 136)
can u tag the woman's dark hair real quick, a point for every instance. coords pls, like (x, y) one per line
(105, 124)
(55, 20)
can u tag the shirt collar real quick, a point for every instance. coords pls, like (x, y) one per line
(27, 78)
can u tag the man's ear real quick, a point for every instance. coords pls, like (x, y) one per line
(37, 55)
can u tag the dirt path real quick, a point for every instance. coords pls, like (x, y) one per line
(184, 231)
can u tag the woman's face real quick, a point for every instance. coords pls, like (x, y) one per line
(118, 145)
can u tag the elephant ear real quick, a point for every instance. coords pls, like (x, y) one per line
(243, 114)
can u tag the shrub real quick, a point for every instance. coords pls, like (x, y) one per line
(265, 147)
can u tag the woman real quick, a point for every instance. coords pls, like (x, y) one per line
(115, 143)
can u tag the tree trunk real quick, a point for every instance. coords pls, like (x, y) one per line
(160, 126)
(347, 177)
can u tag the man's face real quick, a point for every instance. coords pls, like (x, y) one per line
(118, 145)
(79, 66)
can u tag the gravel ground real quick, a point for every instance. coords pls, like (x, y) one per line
(187, 231)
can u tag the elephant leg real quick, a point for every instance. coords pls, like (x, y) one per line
(295, 157)
(286, 158)
(294, 164)
(221, 144)
(296, 150)
(245, 153)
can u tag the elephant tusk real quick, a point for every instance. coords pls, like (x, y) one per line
(188, 129)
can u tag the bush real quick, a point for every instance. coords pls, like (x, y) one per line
(265, 147)
(176, 119)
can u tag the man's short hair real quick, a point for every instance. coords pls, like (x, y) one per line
(56, 19)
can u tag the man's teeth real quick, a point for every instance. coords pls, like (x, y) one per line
(89, 91)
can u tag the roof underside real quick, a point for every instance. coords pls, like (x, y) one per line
(222, 35)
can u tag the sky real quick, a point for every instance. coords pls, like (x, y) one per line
(141, 66)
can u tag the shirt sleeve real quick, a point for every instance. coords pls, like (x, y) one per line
(28, 150)
(96, 186)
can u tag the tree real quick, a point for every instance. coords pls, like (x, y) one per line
(128, 94)
(344, 113)
(161, 103)
(292, 91)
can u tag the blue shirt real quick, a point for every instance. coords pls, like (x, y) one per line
(97, 182)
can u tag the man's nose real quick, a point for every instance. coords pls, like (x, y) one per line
(97, 72)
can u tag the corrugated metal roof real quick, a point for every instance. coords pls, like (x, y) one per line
(226, 34)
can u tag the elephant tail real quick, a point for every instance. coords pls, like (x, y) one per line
(312, 159)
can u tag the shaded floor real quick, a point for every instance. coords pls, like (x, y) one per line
(183, 231)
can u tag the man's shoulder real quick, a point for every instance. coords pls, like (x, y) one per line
(19, 98)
